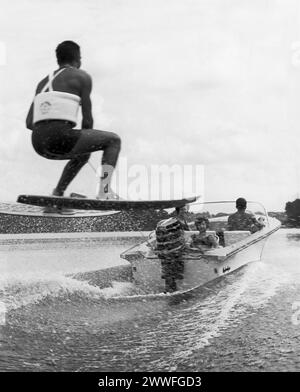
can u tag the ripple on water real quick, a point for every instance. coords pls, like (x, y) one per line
(241, 322)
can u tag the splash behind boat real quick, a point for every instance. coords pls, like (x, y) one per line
(193, 267)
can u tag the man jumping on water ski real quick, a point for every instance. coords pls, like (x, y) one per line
(53, 115)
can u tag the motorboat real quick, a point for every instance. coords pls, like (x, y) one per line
(197, 266)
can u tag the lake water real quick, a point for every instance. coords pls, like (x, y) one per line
(50, 321)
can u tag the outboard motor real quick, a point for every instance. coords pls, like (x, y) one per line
(170, 244)
(169, 237)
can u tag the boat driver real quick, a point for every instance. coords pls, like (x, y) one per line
(242, 220)
(53, 115)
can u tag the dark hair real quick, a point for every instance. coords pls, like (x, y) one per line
(178, 209)
(201, 219)
(241, 203)
(67, 51)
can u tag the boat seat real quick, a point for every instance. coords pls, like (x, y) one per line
(231, 237)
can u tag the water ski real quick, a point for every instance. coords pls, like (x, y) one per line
(95, 204)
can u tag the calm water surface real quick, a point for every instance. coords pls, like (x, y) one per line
(50, 321)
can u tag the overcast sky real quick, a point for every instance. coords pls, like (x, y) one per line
(199, 82)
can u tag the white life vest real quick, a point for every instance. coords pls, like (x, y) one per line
(55, 105)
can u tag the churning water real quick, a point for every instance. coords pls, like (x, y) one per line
(52, 321)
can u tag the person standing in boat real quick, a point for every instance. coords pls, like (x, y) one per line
(53, 115)
(202, 239)
(242, 220)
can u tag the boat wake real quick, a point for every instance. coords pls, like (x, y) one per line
(16, 293)
(238, 296)
(163, 335)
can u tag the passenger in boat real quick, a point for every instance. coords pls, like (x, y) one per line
(202, 239)
(53, 115)
(242, 220)
(181, 215)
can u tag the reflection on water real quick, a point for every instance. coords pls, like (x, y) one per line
(54, 322)
(293, 236)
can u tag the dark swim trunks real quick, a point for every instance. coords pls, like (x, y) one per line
(54, 139)
(57, 139)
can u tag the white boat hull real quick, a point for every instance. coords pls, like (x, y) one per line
(198, 269)
(147, 271)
